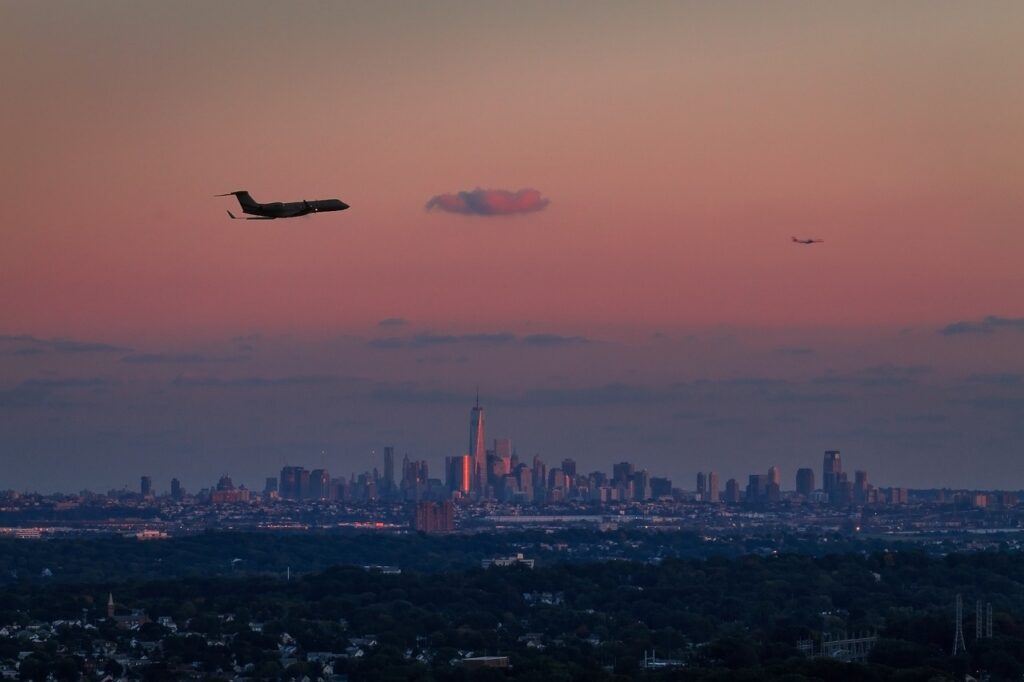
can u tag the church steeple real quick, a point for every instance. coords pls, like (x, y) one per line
(110, 605)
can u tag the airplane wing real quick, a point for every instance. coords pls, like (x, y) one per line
(234, 217)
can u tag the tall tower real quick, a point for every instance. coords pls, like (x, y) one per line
(831, 467)
(712, 486)
(959, 647)
(477, 449)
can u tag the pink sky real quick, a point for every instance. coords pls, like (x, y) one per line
(680, 145)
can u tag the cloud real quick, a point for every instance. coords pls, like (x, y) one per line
(487, 202)
(392, 322)
(987, 325)
(36, 393)
(31, 345)
(879, 375)
(998, 379)
(546, 340)
(996, 403)
(268, 382)
(430, 340)
(176, 358)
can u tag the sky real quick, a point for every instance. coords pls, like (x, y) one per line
(583, 208)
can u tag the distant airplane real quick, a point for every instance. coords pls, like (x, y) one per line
(807, 241)
(277, 209)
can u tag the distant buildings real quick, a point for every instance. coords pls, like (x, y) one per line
(435, 517)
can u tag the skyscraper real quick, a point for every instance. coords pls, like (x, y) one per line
(775, 475)
(460, 474)
(712, 486)
(805, 481)
(477, 449)
(830, 470)
(146, 486)
(176, 491)
(702, 484)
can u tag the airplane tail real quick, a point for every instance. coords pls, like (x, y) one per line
(244, 200)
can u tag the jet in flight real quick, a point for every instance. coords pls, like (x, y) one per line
(277, 209)
(807, 241)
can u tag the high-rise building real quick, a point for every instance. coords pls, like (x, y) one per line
(176, 492)
(389, 473)
(146, 486)
(805, 481)
(622, 472)
(477, 449)
(775, 475)
(460, 474)
(860, 487)
(503, 451)
(732, 491)
(713, 486)
(702, 484)
(294, 483)
(270, 487)
(319, 485)
(831, 467)
(433, 517)
(569, 467)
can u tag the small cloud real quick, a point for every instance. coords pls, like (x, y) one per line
(486, 202)
(987, 325)
(391, 322)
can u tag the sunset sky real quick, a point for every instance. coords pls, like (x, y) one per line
(642, 301)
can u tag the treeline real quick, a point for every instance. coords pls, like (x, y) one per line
(248, 553)
(727, 618)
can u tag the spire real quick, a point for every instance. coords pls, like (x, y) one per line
(478, 395)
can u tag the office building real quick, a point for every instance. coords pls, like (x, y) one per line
(712, 491)
(319, 485)
(805, 481)
(146, 486)
(176, 490)
(831, 468)
(460, 474)
(732, 491)
(775, 476)
(702, 484)
(435, 517)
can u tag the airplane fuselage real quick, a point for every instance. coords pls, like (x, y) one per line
(288, 209)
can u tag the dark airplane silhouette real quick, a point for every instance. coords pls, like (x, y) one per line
(807, 241)
(277, 209)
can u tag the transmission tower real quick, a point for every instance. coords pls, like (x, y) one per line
(978, 615)
(988, 621)
(959, 647)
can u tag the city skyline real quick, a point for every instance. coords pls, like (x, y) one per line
(585, 208)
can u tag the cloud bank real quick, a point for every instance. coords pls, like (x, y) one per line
(987, 325)
(489, 202)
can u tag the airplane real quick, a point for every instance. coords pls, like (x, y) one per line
(277, 209)
(807, 241)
